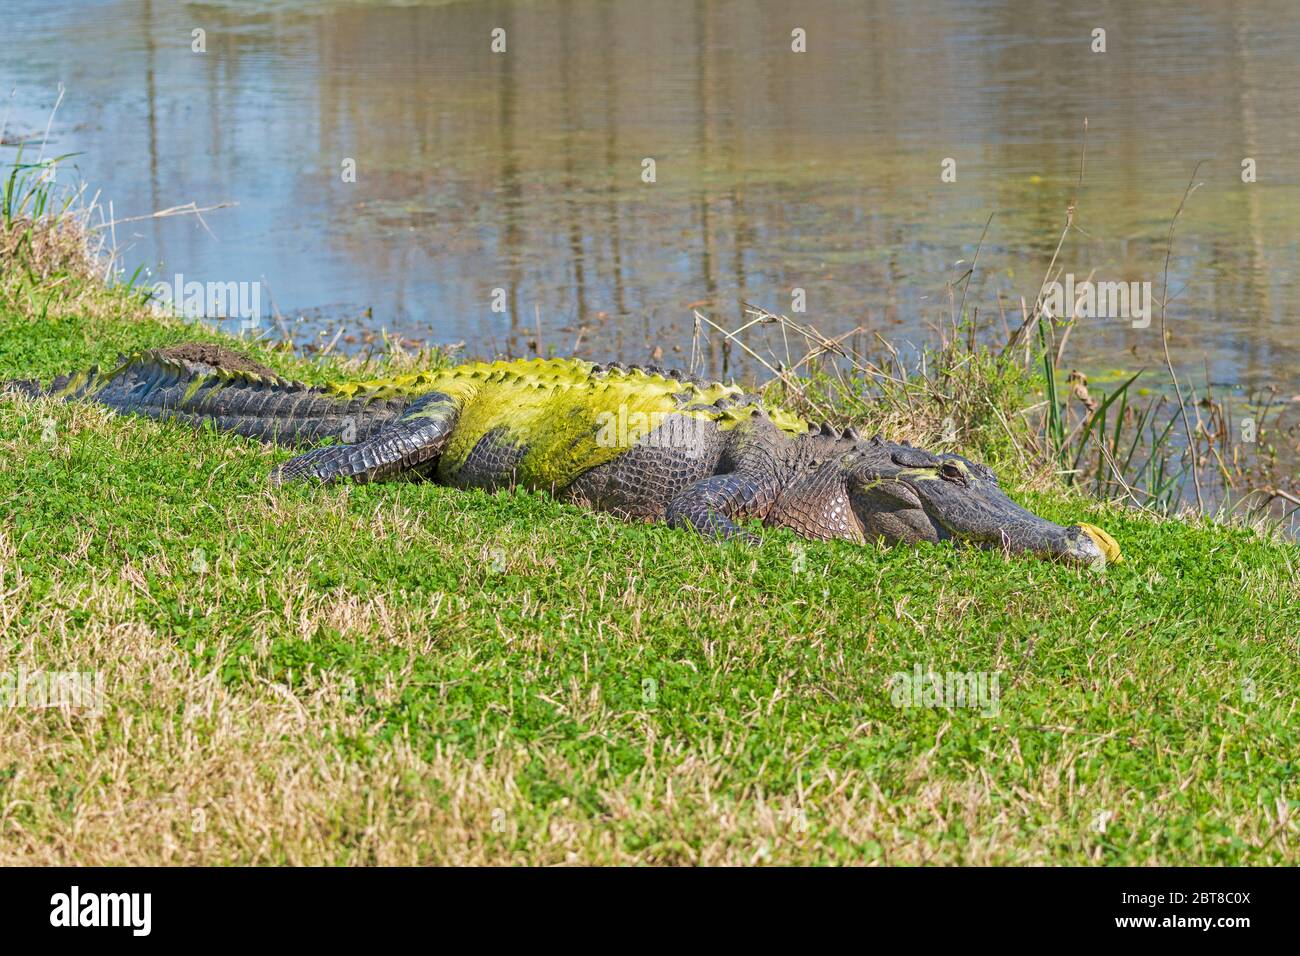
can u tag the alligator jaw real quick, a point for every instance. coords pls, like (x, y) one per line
(1030, 534)
(1021, 531)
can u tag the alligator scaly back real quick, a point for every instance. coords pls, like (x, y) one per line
(557, 418)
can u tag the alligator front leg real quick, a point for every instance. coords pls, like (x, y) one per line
(711, 506)
(409, 443)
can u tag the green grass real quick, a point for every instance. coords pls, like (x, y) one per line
(407, 673)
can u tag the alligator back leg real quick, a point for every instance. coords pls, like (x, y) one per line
(405, 447)
(236, 395)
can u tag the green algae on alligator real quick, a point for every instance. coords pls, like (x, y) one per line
(638, 442)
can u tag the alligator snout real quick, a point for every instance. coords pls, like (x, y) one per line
(1075, 546)
(946, 497)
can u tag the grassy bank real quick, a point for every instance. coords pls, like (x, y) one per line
(406, 673)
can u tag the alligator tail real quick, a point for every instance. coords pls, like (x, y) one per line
(248, 400)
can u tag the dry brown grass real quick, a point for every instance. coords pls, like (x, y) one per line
(58, 250)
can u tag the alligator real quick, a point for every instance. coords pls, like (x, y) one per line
(640, 442)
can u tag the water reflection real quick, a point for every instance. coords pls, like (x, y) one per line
(775, 171)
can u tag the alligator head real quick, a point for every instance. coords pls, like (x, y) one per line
(904, 494)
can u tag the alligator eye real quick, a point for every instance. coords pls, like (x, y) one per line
(952, 473)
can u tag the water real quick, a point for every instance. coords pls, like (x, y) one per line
(775, 170)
